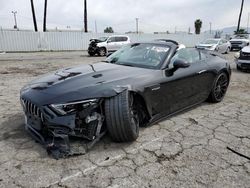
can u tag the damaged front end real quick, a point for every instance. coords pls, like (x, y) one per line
(55, 125)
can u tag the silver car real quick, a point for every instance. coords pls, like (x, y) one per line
(219, 45)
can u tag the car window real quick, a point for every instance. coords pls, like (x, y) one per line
(112, 39)
(140, 55)
(124, 38)
(221, 42)
(121, 39)
(188, 54)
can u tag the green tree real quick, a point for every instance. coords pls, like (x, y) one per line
(108, 30)
(198, 25)
(240, 31)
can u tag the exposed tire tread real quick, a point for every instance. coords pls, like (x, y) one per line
(118, 120)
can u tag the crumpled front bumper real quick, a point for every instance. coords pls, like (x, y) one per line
(60, 135)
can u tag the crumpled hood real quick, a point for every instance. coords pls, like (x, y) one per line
(83, 82)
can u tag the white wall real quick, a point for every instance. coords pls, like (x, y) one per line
(25, 41)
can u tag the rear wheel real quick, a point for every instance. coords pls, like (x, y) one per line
(219, 88)
(122, 117)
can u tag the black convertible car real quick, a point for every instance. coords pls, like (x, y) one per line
(136, 86)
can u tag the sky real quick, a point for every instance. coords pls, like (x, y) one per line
(154, 15)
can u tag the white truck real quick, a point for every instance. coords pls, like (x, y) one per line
(239, 41)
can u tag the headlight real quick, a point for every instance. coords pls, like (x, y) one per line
(69, 108)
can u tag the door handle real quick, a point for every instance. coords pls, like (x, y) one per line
(202, 71)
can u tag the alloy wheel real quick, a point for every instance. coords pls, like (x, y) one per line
(221, 87)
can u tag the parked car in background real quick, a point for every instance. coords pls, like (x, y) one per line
(107, 44)
(239, 41)
(219, 45)
(243, 58)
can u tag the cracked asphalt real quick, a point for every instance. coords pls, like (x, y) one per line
(186, 150)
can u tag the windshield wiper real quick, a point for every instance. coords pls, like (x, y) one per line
(129, 65)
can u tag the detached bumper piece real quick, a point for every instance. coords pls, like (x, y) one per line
(60, 145)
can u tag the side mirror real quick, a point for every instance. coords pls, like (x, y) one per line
(109, 41)
(180, 63)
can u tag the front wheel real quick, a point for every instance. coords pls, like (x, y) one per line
(102, 51)
(122, 118)
(219, 88)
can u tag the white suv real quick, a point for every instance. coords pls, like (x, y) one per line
(109, 44)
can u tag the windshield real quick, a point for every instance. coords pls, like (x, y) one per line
(140, 55)
(210, 41)
(102, 39)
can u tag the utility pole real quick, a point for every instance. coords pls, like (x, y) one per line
(248, 21)
(137, 27)
(85, 17)
(241, 8)
(33, 15)
(45, 16)
(210, 27)
(14, 13)
(95, 27)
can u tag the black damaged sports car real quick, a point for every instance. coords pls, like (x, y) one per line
(136, 86)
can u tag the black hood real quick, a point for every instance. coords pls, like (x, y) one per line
(84, 82)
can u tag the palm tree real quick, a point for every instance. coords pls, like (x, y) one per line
(45, 15)
(241, 8)
(198, 25)
(33, 15)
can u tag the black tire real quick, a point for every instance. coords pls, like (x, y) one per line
(121, 117)
(102, 51)
(219, 88)
(91, 53)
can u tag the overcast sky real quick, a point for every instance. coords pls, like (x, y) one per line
(154, 15)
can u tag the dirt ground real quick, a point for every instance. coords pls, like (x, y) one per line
(187, 150)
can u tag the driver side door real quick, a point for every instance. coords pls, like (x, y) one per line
(186, 86)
